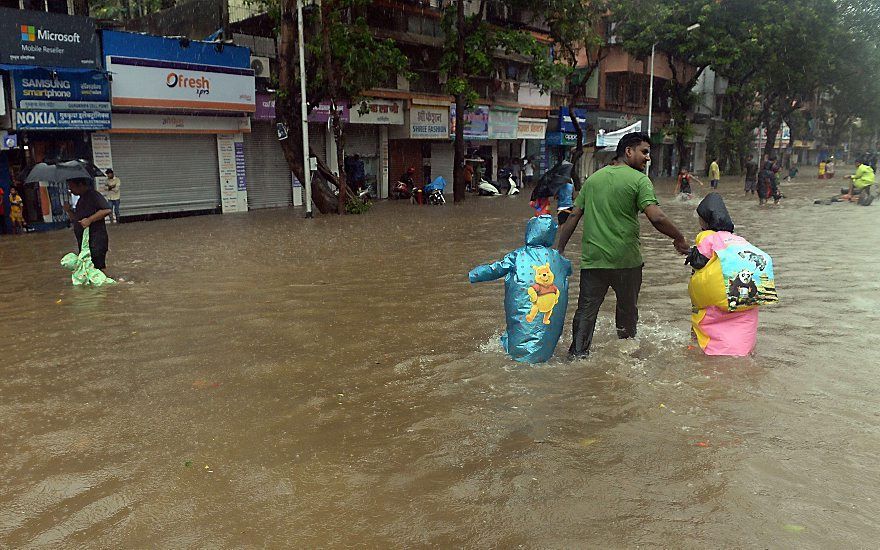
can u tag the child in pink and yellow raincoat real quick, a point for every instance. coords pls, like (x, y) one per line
(731, 279)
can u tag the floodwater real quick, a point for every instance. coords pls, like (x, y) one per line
(260, 380)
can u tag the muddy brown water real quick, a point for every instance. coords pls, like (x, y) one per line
(260, 380)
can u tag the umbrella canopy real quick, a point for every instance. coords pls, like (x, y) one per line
(552, 180)
(63, 171)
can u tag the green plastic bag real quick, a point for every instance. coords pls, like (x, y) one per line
(84, 271)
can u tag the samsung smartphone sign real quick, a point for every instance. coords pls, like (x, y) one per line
(47, 39)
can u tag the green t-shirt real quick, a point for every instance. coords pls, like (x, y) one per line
(611, 200)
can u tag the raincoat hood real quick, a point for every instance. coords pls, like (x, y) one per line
(714, 213)
(541, 231)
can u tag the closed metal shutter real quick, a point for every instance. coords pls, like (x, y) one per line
(362, 139)
(443, 162)
(166, 173)
(268, 176)
(317, 140)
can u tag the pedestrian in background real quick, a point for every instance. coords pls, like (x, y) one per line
(714, 173)
(113, 194)
(16, 217)
(528, 171)
(751, 176)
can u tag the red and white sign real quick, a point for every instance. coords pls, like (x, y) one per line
(155, 84)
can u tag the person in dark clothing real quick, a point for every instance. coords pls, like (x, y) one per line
(751, 176)
(768, 184)
(90, 211)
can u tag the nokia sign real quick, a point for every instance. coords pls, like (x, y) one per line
(47, 39)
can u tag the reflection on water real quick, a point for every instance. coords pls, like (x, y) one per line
(262, 380)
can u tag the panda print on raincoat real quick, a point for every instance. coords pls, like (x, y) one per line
(535, 292)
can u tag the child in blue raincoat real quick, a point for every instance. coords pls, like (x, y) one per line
(535, 292)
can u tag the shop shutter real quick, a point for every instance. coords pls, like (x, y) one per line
(317, 140)
(266, 170)
(166, 173)
(443, 162)
(362, 139)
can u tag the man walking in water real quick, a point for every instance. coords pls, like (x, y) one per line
(612, 199)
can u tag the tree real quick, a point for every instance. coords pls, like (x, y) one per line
(669, 25)
(344, 60)
(580, 45)
(470, 47)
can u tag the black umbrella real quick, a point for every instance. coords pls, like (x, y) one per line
(63, 171)
(552, 180)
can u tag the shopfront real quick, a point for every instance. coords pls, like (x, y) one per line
(422, 143)
(57, 96)
(268, 174)
(180, 114)
(367, 138)
(481, 152)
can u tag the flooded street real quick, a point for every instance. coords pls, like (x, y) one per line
(261, 380)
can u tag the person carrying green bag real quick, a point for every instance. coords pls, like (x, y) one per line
(84, 271)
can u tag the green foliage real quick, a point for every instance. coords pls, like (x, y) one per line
(356, 205)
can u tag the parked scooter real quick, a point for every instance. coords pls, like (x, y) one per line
(506, 185)
(434, 191)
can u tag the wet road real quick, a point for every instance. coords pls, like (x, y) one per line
(263, 381)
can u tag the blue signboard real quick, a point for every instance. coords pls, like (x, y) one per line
(47, 99)
(565, 123)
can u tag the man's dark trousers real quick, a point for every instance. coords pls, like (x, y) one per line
(594, 285)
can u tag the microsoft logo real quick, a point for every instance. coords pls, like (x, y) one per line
(28, 33)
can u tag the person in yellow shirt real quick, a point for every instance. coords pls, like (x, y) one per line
(714, 173)
(861, 183)
(822, 170)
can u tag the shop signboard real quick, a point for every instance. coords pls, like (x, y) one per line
(61, 100)
(565, 123)
(503, 123)
(137, 123)
(233, 185)
(377, 111)
(531, 128)
(321, 112)
(476, 122)
(265, 107)
(567, 139)
(158, 84)
(428, 122)
(45, 39)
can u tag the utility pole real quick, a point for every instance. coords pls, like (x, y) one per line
(304, 117)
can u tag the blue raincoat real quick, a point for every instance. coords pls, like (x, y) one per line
(535, 292)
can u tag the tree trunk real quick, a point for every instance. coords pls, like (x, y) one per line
(772, 129)
(458, 183)
(288, 109)
(333, 92)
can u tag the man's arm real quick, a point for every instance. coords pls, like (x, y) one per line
(664, 225)
(99, 215)
(567, 229)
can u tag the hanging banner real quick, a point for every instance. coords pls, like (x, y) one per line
(42, 39)
(476, 122)
(233, 188)
(377, 111)
(265, 107)
(503, 123)
(531, 128)
(321, 112)
(102, 155)
(60, 100)
(426, 122)
(565, 123)
(611, 139)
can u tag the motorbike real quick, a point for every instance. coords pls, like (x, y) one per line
(505, 185)
(401, 190)
(434, 191)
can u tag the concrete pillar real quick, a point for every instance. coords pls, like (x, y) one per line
(384, 162)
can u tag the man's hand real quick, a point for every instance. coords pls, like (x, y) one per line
(66, 207)
(85, 222)
(681, 246)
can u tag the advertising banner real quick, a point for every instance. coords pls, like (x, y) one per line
(531, 128)
(47, 39)
(377, 111)
(503, 123)
(233, 187)
(61, 100)
(427, 122)
(476, 122)
(321, 112)
(265, 107)
(611, 139)
(152, 83)
(565, 123)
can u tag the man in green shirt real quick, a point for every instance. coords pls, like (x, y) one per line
(610, 201)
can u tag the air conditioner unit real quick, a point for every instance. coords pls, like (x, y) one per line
(260, 65)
